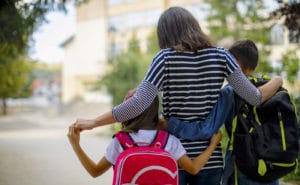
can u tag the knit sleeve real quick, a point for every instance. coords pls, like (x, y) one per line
(244, 88)
(136, 104)
(145, 93)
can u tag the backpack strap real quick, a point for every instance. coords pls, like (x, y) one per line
(160, 139)
(125, 140)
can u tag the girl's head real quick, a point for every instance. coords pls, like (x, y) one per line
(178, 29)
(148, 120)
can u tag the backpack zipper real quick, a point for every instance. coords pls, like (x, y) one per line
(282, 131)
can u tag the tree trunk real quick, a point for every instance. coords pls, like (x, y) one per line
(4, 106)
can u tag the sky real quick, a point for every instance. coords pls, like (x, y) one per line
(59, 27)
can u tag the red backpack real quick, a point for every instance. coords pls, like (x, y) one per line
(145, 165)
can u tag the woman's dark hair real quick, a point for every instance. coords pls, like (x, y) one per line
(246, 52)
(178, 29)
(148, 120)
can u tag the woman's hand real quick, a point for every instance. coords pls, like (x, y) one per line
(84, 124)
(216, 138)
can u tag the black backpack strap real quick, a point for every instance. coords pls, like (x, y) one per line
(125, 140)
(160, 139)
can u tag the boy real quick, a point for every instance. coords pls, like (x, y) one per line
(246, 54)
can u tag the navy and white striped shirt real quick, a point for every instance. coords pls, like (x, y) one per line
(190, 82)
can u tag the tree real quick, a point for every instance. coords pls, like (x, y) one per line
(291, 14)
(14, 81)
(18, 20)
(290, 66)
(237, 19)
(128, 69)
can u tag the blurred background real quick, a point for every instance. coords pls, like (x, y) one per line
(61, 60)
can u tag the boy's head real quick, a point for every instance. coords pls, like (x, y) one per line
(246, 54)
(148, 120)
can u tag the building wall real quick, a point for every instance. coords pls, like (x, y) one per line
(85, 56)
(104, 28)
(101, 24)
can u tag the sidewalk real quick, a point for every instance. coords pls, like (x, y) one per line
(35, 149)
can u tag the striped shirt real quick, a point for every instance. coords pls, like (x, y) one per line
(190, 82)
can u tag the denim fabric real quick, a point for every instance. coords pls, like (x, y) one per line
(202, 130)
(204, 177)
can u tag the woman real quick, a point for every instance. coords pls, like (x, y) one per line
(189, 71)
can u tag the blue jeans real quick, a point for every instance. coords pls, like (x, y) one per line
(203, 130)
(204, 177)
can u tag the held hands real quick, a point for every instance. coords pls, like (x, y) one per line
(216, 138)
(84, 124)
(74, 135)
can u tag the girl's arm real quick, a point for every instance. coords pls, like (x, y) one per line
(94, 169)
(195, 165)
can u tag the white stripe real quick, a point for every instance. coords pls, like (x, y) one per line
(192, 67)
(195, 74)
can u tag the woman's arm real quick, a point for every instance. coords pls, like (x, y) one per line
(195, 165)
(88, 124)
(270, 88)
(91, 167)
(245, 89)
(130, 108)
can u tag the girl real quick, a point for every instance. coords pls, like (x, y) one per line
(142, 129)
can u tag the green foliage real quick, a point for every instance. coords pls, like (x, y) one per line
(238, 19)
(290, 65)
(127, 71)
(14, 78)
(18, 20)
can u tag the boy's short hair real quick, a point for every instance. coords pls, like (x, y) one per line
(246, 52)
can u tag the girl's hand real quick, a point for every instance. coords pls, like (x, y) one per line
(129, 94)
(84, 124)
(74, 135)
(216, 138)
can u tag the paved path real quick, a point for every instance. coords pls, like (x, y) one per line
(34, 150)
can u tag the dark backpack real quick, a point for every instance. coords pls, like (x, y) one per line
(264, 138)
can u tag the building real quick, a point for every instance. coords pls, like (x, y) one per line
(104, 28)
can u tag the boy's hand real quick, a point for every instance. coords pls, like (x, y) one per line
(216, 138)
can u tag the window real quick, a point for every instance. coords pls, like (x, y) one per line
(200, 11)
(277, 34)
(115, 24)
(114, 2)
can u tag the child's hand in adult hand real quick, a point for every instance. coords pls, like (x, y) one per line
(84, 124)
(74, 135)
(216, 138)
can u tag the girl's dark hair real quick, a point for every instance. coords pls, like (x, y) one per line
(148, 120)
(178, 29)
(246, 52)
